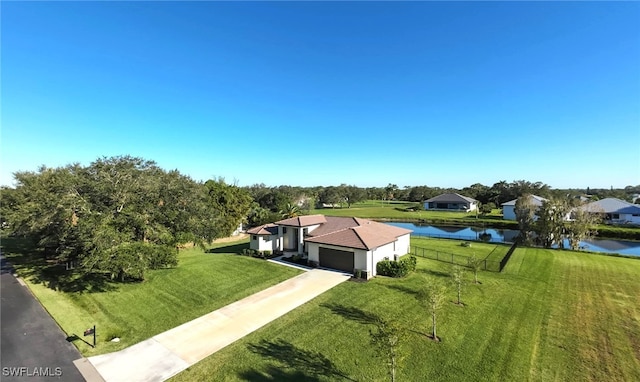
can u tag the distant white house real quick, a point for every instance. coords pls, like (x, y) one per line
(342, 243)
(451, 202)
(238, 230)
(615, 211)
(508, 208)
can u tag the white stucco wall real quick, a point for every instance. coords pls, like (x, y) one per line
(630, 218)
(363, 259)
(312, 227)
(263, 242)
(403, 245)
(508, 212)
(312, 252)
(288, 238)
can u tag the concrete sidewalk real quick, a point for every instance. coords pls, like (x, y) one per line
(168, 353)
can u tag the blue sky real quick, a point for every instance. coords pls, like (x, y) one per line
(323, 93)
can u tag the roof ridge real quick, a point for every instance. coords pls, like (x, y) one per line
(332, 232)
(359, 237)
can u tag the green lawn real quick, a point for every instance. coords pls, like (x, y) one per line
(201, 283)
(551, 315)
(489, 251)
(397, 210)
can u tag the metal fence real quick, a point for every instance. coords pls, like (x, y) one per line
(452, 258)
(507, 256)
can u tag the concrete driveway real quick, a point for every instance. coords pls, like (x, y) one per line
(168, 353)
(32, 346)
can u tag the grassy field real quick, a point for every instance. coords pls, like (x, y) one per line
(442, 249)
(201, 283)
(375, 209)
(489, 251)
(551, 315)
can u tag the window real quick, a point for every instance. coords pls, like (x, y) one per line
(284, 230)
(255, 237)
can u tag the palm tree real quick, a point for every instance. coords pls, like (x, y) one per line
(290, 211)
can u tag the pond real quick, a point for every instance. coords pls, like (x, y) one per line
(629, 248)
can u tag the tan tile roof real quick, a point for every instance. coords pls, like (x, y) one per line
(355, 233)
(267, 229)
(303, 221)
(333, 224)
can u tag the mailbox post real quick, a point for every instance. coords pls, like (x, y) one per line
(91, 331)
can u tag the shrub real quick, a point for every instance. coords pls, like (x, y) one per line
(267, 253)
(357, 274)
(486, 237)
(399, 268)
(411, 262)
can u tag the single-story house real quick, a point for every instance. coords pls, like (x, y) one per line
(508, 208)
(615, 211)
(451, 202)
(342, 243)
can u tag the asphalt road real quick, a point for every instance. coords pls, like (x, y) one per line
(32, 346)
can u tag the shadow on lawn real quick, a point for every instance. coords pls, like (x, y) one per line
(305, 365)
(233, 248)
(434, 273)
(403, 289)
(352, 313)
(33, 264)
(274, 373)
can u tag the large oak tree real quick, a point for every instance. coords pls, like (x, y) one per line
(119, 216)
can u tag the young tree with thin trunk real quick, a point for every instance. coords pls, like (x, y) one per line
(550, 226)
(433, 296)
(387, 338)
(457, 278)
(475, 264)
(582, 225)
(525, 211)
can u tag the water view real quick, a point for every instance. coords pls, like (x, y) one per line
(496, 235)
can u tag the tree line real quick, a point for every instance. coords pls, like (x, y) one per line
(270, 202)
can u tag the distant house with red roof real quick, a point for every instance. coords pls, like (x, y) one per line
(342, 243)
